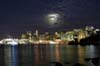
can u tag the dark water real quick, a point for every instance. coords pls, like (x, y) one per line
(45, 55)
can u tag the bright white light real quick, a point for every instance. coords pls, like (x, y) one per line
(10, 41)
(53, 18)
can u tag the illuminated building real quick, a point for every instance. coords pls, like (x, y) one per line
(37, 34)
(23, 36)
(70, 36)
(56, 35)
(81, 35)
(56, 38)
(10, 41)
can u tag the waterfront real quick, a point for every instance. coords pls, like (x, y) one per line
(45, 55)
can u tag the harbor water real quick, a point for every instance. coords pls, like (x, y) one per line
(46, 55)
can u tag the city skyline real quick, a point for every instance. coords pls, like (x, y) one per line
(76, 36)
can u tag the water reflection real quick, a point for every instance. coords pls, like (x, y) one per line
(2, 55)
(57, 53)
(10, 55)
(45, 55)
(72, 54)
(26, 55)
(81, 54)
(91, 51)
(36, 55)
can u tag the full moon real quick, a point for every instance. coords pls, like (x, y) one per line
(53, 18)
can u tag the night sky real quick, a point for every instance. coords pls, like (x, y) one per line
(22, 15)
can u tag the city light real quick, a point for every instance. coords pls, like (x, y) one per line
(55, 38)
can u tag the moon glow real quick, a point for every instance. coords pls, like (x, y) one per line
(53, 18)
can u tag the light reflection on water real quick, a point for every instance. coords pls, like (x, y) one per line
(10, 56)
(44, 55)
